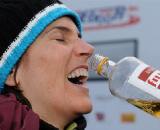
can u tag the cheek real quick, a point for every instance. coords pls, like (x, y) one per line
(52, 61)
(44, 69)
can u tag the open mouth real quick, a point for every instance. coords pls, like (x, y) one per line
(78, 76)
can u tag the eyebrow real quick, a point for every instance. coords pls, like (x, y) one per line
(64, 29)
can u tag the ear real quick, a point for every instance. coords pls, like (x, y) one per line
(10, 81)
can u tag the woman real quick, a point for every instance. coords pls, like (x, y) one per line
(43, 65)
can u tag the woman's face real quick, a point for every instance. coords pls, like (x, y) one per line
(54, 70)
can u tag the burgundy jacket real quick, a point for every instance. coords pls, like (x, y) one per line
(15, 116)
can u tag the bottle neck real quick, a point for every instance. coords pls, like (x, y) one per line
(106, 69)
(101, 65)
(111, 66)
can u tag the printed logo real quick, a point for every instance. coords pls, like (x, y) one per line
(100, 116)
(151, 77)
(109, 17)
(128, 117)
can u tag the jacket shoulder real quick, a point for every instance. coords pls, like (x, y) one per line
(15, 116)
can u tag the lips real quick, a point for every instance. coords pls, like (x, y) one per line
(78, 76)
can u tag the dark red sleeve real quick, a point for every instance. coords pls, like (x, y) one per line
(15, 116)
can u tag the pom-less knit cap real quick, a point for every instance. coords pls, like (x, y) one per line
(21, 22)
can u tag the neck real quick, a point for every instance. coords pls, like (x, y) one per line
(56, 119)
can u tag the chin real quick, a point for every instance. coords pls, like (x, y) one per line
(84, 108)
(87, 110)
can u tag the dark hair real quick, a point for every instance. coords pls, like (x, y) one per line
(16, 89)
(18, 93)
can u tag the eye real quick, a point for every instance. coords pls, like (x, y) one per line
(60, 39)
(57, 36)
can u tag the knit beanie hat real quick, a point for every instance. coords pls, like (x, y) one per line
(21, 22)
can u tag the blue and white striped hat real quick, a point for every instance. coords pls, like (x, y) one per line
(21, 21)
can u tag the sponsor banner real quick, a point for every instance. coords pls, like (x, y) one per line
(109, 17)
(128, 117)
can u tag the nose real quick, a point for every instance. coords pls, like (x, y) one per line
(83, 48)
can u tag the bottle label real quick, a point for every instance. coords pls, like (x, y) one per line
(147, 79)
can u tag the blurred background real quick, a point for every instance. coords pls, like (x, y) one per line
(119, 28)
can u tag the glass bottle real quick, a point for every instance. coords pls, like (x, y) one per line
(132, 80)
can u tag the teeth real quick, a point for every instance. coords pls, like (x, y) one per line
(78, 72)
